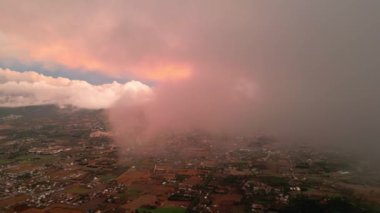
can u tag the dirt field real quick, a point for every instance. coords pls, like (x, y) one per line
(369, 193)
(133, 176)
(13, 200)
(182, 204)
(142, 200)
(53, 209)
(192, 181)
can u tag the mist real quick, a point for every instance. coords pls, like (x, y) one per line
(304, 72)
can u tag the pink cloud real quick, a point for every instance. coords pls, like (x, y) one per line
(298, 69)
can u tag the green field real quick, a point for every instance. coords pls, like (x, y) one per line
(108, 177)
(133, 192)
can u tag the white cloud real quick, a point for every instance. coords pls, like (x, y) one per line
(32, 88)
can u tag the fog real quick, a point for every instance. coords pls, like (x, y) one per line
(302, 71)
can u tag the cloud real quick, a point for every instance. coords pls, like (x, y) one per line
(145, 39)
(303, 70)
(220, 106)
(32, 88)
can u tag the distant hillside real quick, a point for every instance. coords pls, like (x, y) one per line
(42, 111)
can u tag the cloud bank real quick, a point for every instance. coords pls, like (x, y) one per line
(32, 88)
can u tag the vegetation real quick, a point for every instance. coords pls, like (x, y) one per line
(180, 177)
(233, 180)
(302, 203)
(275, 181)
(162, 210)
(108, 177)
(133, 192)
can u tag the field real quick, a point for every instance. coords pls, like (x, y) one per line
(162, 210)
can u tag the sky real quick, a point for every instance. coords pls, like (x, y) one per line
(305, 70)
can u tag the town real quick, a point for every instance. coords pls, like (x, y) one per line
(64, 159)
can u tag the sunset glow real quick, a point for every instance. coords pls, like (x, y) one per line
(166, 71)
(62, 53)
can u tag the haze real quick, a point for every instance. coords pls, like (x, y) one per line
(303, 71)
